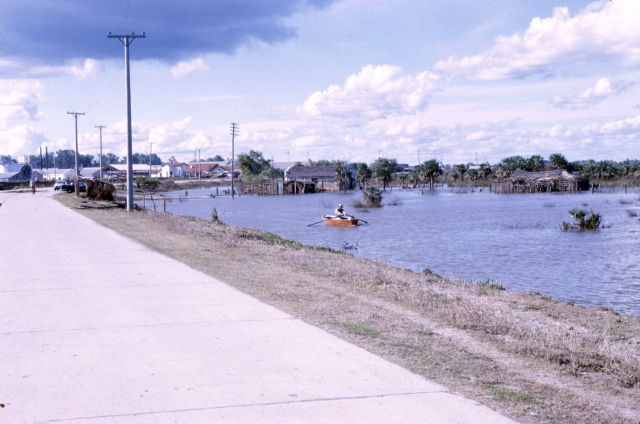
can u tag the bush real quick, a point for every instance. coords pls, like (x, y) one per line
(372, 196)
(583, 220)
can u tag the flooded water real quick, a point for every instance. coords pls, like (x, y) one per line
(513, 239)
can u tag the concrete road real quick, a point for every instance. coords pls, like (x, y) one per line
(97, 328)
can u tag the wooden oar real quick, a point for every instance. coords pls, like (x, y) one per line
(362, 220)
(315, 223)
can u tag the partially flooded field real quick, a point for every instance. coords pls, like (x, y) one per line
(514, 240)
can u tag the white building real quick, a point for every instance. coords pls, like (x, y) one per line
(138, 168)
(171, 170)
(51, 174)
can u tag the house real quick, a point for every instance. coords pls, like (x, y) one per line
(322, 177)
(138, 168)
(95, 172)
(537, 182)
(15, 172)
(402, 167)
(51, 174)
(173, 170)
(205, 167)
(285, 165)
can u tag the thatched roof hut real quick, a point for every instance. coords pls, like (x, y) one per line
(540, 182)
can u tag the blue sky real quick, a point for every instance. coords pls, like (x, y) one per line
(326, 79)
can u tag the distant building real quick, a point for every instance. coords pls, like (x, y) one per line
(138, 168)
(51, 174)
(205, 167)
(24, 159)
(173, 170)
(286, 164)
(15, 172)
(322, 177)
(402, 167)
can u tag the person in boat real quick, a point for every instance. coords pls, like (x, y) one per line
(340, 212)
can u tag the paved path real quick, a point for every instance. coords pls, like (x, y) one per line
(97, 328)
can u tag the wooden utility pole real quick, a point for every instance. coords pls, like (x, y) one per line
(234, 131)
(75, 114)
(150, 153)
(101, 127)
(127, 40)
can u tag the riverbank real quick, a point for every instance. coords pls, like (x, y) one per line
(527, 356)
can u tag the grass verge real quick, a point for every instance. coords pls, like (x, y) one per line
(531, 358)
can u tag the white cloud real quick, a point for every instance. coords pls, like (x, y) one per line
(182, 69)
(376, 92)
(20, 68)
(600, 32)
(19, 99)
(592, 95)
(20, 140)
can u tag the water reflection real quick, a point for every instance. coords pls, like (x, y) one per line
(512, 239)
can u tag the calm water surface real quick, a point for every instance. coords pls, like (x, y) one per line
(511, 239)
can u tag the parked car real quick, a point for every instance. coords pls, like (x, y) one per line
(70, 188)
(59, 184)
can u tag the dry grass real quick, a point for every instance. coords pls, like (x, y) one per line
(528, 356)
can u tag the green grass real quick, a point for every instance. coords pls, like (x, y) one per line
(504, 394)
(357, 329)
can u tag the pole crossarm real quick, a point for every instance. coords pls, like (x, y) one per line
(128, 39)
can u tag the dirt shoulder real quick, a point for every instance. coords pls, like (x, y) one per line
(529, 357)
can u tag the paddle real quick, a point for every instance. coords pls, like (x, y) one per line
(315, 223)
(362, 220)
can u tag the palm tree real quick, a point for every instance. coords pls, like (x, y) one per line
(484, 170)
(461, 169)
(343, 174)
(383, 169)
(363, 173)
(536, 163)
(557, 161)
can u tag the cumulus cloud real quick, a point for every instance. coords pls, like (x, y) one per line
(56, 31)
(183, 69)
(20, 99)
(602, 90)
(602, 31)
(20, 139)
(376, 92)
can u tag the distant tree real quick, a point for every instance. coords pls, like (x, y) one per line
(414, 177)
(455, 176)
(383, 169)
(461, 170)
(429, 170)
(402, 176)
(298, 163)
(535, 163)
(65, 159)
(323, 162)
(173, 159)
(510, 164)
(485, 170)
(216, 158)
(110, 159)
(472, 174)
(557, 161)
(7, 160)
(343, 174)
(363, 173)
(253, 163)
(272, 173)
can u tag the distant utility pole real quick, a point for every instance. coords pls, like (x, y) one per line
(476, 158)
(234, 132)
(46, 155)
(41, 158)
(288, 160)
(199, 167)
(75, 114)
(101, 127)
(150, 153)
(127, 40)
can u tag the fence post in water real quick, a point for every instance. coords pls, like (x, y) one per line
(164, 209)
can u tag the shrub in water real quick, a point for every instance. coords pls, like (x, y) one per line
(583, 220)
(372, 196)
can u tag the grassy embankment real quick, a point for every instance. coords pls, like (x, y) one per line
(529, 357)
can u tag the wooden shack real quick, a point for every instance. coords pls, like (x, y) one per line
(541, 182)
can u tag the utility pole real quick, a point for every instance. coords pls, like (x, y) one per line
(101, 127)
(150, 153)
(75, 114)
(127, 40)
(199, 167)
(288, 160)
(46, 155)
(234, 133)
(41, 158)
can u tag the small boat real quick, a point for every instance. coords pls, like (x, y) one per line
(340, 221)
